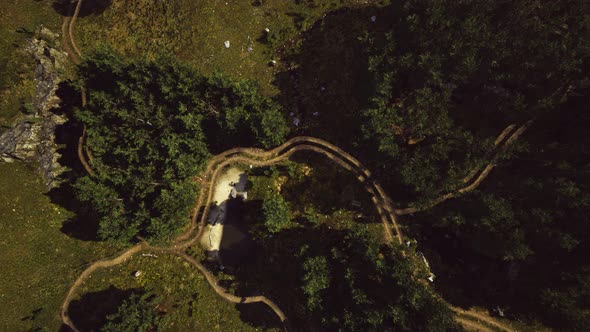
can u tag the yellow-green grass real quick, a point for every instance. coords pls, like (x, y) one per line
(188, 300)
(19, 20)
(38, 262)
(195, 32)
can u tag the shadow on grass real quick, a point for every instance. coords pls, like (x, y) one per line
(274, 270)
(327, 82)
(90, 311)
(83, 225)
(89, 7)
(259, 315)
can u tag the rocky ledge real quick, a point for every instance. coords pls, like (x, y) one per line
(32, 138)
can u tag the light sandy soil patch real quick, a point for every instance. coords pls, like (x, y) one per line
(233, 178)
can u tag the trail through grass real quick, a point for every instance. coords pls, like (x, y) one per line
(189, 301)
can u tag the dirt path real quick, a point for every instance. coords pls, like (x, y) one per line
(471, 326)
(483, 173)
(480, 317)
(258, 158)
(219, 162)
(86, 273)
(231, 178)
(71, 29)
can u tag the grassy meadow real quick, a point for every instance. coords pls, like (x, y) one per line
(38, 261)
(195, 32)
(188, 300)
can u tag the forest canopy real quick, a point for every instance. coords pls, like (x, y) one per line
(151, 126)
(450, 75)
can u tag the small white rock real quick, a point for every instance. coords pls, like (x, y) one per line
(267, 30)
(226, 43)
(137, 273)
(373, 18)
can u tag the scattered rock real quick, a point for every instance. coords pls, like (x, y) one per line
(226, 44)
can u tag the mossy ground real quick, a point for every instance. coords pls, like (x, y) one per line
(39, 262)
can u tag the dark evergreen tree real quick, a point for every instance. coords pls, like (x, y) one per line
(449, 75)
(149, 125)
(135, 314)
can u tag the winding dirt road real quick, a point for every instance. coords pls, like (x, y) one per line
(258, 158)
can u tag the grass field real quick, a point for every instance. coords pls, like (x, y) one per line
(19, 20)
(188, 300)
(195, 32)
(38, 261)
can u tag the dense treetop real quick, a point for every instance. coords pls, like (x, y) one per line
(360, 276)
(449, 75)
(151, 126)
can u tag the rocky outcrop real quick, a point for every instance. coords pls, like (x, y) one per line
(32, 138)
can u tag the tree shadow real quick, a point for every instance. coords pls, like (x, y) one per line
(237, 244)
(83, 225)
(92, 7)
(89, 313)
(34, 314)
(327, 82)
(259, 315)
(274, 271)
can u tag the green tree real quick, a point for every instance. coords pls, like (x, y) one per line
(381, 282)
(525, 232)
(276, 213)
(149, 126)
(449, 75)
(135, 314)
(315, 280)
